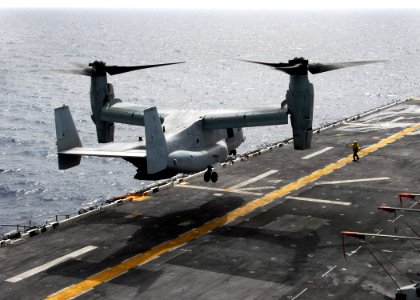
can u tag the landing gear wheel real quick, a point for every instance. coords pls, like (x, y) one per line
(207, 176)
(214, 177)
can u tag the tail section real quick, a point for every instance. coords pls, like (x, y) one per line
(67, 137)
(156, 148)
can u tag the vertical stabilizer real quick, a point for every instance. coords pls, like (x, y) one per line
(67, 137)
(157, 151)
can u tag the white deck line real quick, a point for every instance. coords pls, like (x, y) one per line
(317, 153)
(252, 180)
(396, 120)
(199, 187)
(352, 180)
(326, 273)
(50, 264)
(298, 295)
(318, 200)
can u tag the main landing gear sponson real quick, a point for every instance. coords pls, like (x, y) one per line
(210, 175)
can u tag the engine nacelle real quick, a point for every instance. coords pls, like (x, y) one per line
(101, 93)
(300, 103)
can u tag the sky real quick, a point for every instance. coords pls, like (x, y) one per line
(213, 4)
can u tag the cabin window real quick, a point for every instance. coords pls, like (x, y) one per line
(230, 133)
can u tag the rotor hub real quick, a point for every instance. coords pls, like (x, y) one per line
(298, 60)
(98, 68)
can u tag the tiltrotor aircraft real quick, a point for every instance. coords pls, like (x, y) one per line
(180, 142)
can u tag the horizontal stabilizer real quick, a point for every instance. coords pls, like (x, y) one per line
(116, 151)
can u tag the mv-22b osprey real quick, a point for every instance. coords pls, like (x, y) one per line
(179, 141)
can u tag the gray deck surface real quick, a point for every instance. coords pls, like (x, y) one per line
(290, 248)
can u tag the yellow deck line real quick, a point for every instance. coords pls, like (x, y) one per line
(142, 258)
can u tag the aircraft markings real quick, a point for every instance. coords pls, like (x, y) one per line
(142, 258)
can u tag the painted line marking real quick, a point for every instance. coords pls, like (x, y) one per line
(235, 188)
(317, 153)
(295, 297)
(396, 120)
(50, 264)
(258, 188)
(352, 180)
(186, 223)
(318, 200)
(145, 257)
(199, 187)
(354, 251)
(326, 273)
(252, 180)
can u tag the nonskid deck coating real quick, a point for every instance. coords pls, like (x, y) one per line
(192, 243)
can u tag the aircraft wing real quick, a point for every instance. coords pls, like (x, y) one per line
(125, 113)
(246, 118)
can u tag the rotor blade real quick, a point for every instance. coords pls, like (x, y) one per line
(82, 71)
(320, 68)
(78, 64)
(284, 67)
(113, 70)
(274, 65)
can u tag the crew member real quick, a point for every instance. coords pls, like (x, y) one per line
(356, 148)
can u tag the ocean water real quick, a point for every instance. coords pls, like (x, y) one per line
(34, 43)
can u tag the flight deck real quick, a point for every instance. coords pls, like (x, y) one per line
(269, 228)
